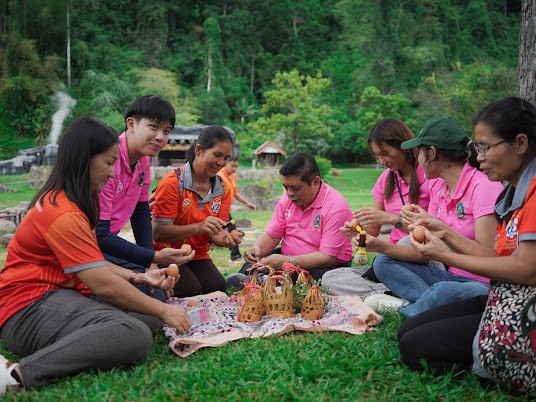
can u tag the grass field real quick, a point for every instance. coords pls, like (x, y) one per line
(324, 367)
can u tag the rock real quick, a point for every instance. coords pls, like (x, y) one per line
(39, 175)
(18, 165)
(4, 189)
(7, 226)
(50, 154)
(4, 239)
(157, 172)
(244, 224)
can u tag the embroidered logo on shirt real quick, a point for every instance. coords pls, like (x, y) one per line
(119, 187)
(287, 214)
(186, 202)
(317, 221)
(141, 178)
(512, 228)
(460, 210)
(216, 205)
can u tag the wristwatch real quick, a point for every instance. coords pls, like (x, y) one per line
(291, 260)
(398, 223)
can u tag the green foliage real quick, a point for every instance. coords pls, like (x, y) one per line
(213, 108)
(296, 112)
(324, 165)
(443, 57)
(164, 83)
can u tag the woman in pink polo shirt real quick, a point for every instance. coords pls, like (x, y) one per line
(401, 183)
(463, 200)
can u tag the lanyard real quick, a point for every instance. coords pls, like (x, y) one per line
(398, 187)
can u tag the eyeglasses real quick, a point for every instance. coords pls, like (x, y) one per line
(483, 149)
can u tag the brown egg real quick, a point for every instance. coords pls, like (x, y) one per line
(407, 208)
(173, 270)
(418, 234)
(235, 234)
(187, 248)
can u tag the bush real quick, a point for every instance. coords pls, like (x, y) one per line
(324, 165)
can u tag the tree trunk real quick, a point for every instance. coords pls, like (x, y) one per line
(209, 67)
(527, 52)
(68, 43)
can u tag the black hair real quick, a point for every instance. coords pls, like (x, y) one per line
(209, 137)
(394, 132)
(302, 164)
(457, 156)
(509, 117)
(84, 138)
(151, 107)
(233, 158)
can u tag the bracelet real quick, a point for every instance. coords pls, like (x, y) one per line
(132, 277)
(291, 259)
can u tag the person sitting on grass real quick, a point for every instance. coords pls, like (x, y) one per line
(54, 264)
(495, 333)
(229, 179)
(461, 200)
(191, 206)
(306, 220)
(148, 121)
(401, 183)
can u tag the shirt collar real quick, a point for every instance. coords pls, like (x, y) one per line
(123, 154)
(465, 178)
(217, 188)
(512, 198)
(320, 196)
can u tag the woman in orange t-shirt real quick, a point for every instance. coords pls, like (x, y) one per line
(192, 206)
(54, 263)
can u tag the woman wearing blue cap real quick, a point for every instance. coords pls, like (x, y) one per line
(461, 203)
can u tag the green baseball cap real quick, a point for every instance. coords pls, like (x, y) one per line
(442, 132)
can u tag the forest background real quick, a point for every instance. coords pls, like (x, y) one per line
(311, 75)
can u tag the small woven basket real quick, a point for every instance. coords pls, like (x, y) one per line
(251, 305)
(313, 304)
(278, 300)
(305, 277)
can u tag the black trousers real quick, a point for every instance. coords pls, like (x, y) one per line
(442, 337)
(199, 277)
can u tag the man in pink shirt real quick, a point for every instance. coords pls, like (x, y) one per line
(148, 121)
(307, 219)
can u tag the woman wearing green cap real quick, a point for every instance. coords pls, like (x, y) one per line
(461, 201)
(504, 322)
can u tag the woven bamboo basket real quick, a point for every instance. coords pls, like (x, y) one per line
(305, 277)
(313, 304)
(278, 300)
(251, 305)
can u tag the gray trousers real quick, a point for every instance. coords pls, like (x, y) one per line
(64, 333)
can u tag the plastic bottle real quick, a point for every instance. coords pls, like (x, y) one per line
(361, 255)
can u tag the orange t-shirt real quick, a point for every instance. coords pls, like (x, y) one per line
(49, 246)
(229, 181)
(189, 208)
(521, 225)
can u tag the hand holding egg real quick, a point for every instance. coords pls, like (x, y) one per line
(418, 233)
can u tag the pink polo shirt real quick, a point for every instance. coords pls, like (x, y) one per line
(120, 195)
(474, 197)
(394, 204)
(314, 229)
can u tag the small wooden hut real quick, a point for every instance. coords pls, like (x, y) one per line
(269, 154)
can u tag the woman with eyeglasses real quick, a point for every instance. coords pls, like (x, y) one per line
(401, 183)
(503, 349)
(461, 203)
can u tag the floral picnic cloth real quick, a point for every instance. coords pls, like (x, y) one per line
(214, 322)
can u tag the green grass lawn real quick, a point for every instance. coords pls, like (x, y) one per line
(297, 366)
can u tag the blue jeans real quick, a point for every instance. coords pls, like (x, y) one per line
(425, 286)
(156, 294)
